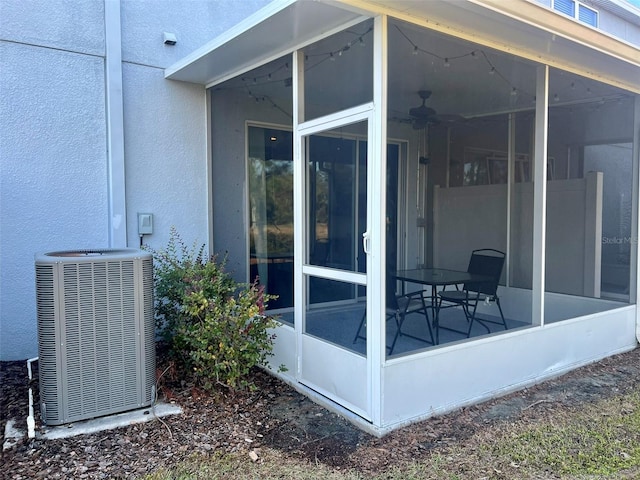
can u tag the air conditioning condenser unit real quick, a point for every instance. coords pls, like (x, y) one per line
(96, 333)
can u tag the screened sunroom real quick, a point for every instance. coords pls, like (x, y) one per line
(361, 151)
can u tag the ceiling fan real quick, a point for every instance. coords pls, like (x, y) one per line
(423, 115)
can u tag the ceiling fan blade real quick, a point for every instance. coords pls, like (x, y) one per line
(422, 112)
(419, 124)
(448, 118)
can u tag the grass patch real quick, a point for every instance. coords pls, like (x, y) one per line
(595, 441)
(601, 439)
(271, 465)
(436, 467)
(275, 465)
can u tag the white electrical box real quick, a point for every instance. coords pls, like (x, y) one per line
(145, 223)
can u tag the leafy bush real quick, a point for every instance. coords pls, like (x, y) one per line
(216, 328)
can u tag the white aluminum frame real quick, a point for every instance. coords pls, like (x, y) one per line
(452, 376)
(372, 112)
(540, 193)
(336, 373)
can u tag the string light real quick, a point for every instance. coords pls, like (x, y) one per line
(271, 77)
(474, 54)
(359, 39)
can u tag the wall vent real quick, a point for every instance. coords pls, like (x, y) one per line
(96, 333)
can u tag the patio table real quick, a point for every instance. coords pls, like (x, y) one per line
(437, 277)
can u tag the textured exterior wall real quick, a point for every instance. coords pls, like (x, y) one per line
(76, 25)
(54, 183)
(53, 190)
(167, 170)
(618, 27)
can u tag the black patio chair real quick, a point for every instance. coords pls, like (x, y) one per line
(397, 308)
(488, 263)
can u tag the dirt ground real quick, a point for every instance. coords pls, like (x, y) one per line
(276, 416)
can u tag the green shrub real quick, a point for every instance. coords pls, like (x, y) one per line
(216, 328)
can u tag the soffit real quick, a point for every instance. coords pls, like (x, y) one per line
(522, 27)
(280, 28)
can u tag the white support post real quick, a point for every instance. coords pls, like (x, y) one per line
(511, 166)
(421, 212)
(447, 182)
(593, 234)
(115, 125)
(298, 205)
(540, 194)
(635, 221)
(435, 204)
(376, 212)
(210, 235)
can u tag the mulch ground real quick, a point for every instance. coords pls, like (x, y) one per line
(275, 416)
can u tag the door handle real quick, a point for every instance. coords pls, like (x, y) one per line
(366, 243)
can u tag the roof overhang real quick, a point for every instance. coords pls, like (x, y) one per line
(276, 30)
(524, 28)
